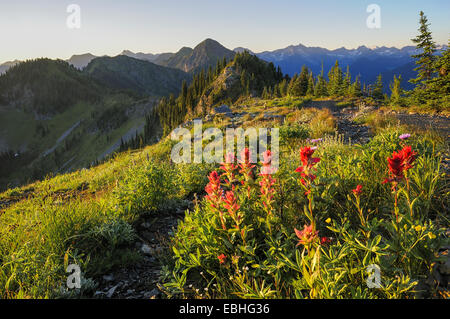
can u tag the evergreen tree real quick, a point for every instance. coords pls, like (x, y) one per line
(347, 82)
(321, 86)
(355, 89)
(335, 80)
(311, 85)
(303, 81)
(425, 59)
(396, 90)
(377, 92)
(292, 88)
(283, 87)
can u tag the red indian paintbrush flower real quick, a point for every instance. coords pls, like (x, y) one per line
(213, 188)
(306, 157)
(267, 182)
(307, 235)
(245, 165)
(215, 194)
(325, 240)
(222, 258)
(399, 163)
(230, 203)
(308, 163)
(409, 157)
(228, 167)
(358, 190)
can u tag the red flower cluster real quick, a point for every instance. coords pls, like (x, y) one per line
(325, 240)
(399, 163)
(231, 205)
(222, 258)
(307, 235)
(308, 163)
(215, 194)
(267, 182)
(245, 166)
(358, 190)
(306, 157)
(213, 189)
(228, 167)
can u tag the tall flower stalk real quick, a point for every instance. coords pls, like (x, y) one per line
(307, 178)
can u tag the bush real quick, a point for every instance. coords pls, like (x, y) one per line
(146, 188)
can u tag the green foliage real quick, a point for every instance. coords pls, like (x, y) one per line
(258, 257)
(146, 188)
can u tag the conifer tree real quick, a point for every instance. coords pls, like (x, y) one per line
(377, 92)
(346, 84)
(425, 59)
(396, 90)
(303, 81)
(321, 86)
(311, 85)
(335, 80)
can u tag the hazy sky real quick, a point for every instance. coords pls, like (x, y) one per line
(37, 28)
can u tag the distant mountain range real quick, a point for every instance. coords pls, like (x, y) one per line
(364, 62)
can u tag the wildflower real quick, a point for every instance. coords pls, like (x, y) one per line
(328, 220)
(399, 163)
(325, 240)
(245, 165)
(404, 136)
(228, 167)
(431, 235)
(215, 194)
(396, 165)
(408, 157)
(266, 168)
(306, 157)
(418, 228)
(358, 190)
(213, 188)
(318, 140)
(267, 182)
(306, 236)
(231, 205)
(222, 258)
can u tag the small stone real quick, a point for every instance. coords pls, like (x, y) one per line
(108, 277)
(111, 291)
(146, 249)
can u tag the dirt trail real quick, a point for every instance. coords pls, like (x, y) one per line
(352, 132)
(360, 133)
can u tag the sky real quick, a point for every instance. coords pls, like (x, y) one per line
(38, 28)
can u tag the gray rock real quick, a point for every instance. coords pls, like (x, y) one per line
(108, 277)
(146, 249)
(111, 291)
